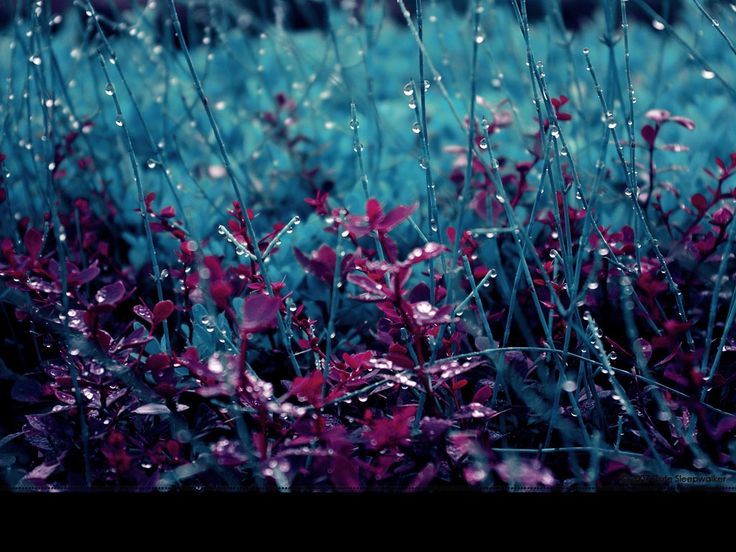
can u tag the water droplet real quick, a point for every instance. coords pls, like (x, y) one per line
(119, 121)
(483, 144)
(707, 74)
(480, 38)
(357, 147)
(354, 124)
(569, 386)
(658, 25)
(408, 89)
(109, 89)
(416, 128)
(35, 59)
(151, 163)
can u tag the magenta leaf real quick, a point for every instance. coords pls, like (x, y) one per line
(658, 115)
(374, 291)
(308, 389)
(320, 263)
(649, 135)
(428, 251)
(373, 209)
(396, 216)
(676, 148)
(683, 121)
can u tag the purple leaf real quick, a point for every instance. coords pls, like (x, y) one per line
(144, 312)
(259, 312)
(434, 428)
(111, 295)
(422, 479)
(42, 472)
(85, 276)
(27, 390)
(139, 336)
(33, 241)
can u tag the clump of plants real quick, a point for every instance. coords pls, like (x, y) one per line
(460, 250)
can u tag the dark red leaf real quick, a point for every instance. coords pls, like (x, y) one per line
(699, 202)
(158, 362)
(483, 394)
(162, 311)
